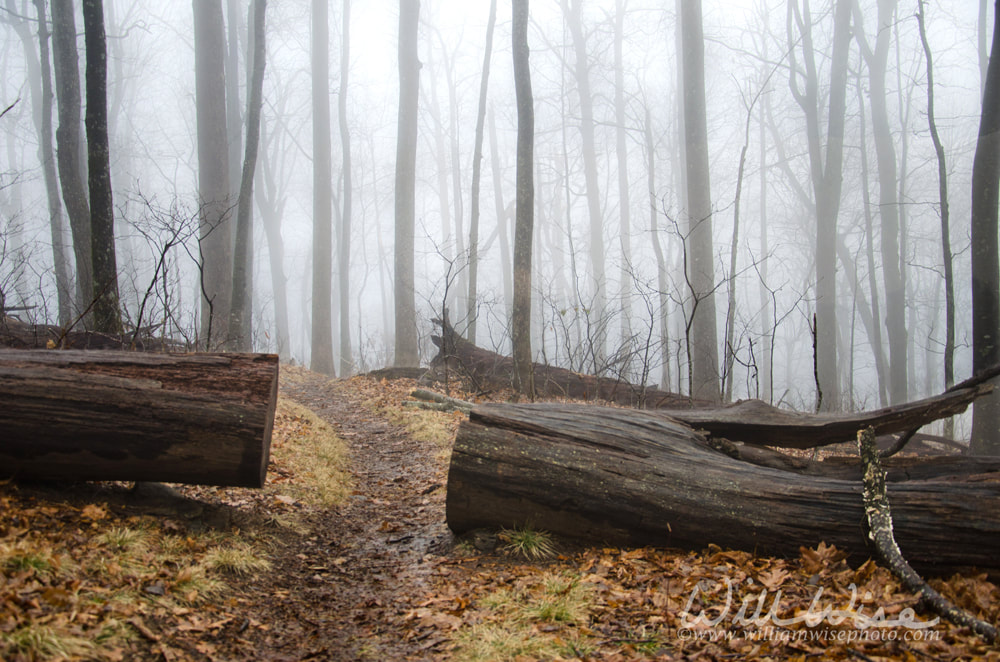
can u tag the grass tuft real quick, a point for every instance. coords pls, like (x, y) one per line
(237, 559)
(527, 543)
(40, 642)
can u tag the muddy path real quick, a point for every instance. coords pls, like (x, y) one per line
(343, 590)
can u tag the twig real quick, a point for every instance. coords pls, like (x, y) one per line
(879, 519)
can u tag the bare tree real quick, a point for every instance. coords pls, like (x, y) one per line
(322, 271)
(344, 256)
(477, 168)
(581, 75)
(826, 174)
(704, 355)
(948, 258)
(107, 315)
(885, 152)
(985, 260)
(521, 312)
(69, 144)
(240, 316)
(406, 165)
(216, 237)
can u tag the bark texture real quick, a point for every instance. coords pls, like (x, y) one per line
(185, 418)
(622, 476)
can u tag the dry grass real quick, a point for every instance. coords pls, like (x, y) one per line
(304, 445)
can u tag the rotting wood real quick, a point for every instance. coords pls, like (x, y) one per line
(623, 476)
(106, 415)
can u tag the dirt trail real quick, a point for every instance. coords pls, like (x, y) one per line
(342, 591)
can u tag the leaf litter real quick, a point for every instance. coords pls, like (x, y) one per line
(345, 555)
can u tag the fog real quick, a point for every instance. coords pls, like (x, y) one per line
(632, 322)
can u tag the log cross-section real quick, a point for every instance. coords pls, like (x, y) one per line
(624, 476)
(102, 415)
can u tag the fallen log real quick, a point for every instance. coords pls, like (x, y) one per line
(637, 477)
(489, 370)
(183, 418)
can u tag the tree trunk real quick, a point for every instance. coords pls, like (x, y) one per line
(520, 320)
(267, 195)
(641, 478)
(215, 239)
(700, 268)
(895, 295)
(107, 315)
(826, 171)
(597, 338)
(407, 350)
(241, 314)
(477, 167)
(185, 418)
(947, 257)
(69, 143)
(344, 256)
(322, 267)
(40, 88)
(985, 260)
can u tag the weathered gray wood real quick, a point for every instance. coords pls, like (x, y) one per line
(102, 415)
(639, 477)
(756, 422)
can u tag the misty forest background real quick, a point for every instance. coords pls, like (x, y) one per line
(759, 198)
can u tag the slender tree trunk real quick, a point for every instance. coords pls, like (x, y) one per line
(875, 329)
(477, 167)
(216, 235)
(407, 353)
(947, 257)
(240, 314)
(266, 195)
(766, 321)
(621, 156)
(107, 316)
(826, 176)
(501, 214)
(322, 271)
(40, 68)
(69, 144)
(895, 296)
(700, 259)
(985, 262)
(521, 313)
(581, 71)
(344, 259)
(661, 263)
(234, 121)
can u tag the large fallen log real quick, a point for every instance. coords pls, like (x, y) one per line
(184, 418)
(489, 370)
(636, 477)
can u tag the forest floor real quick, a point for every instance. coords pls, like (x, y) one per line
(345, 555)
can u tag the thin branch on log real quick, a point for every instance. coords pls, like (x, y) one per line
(972, 382)
(880, 532)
